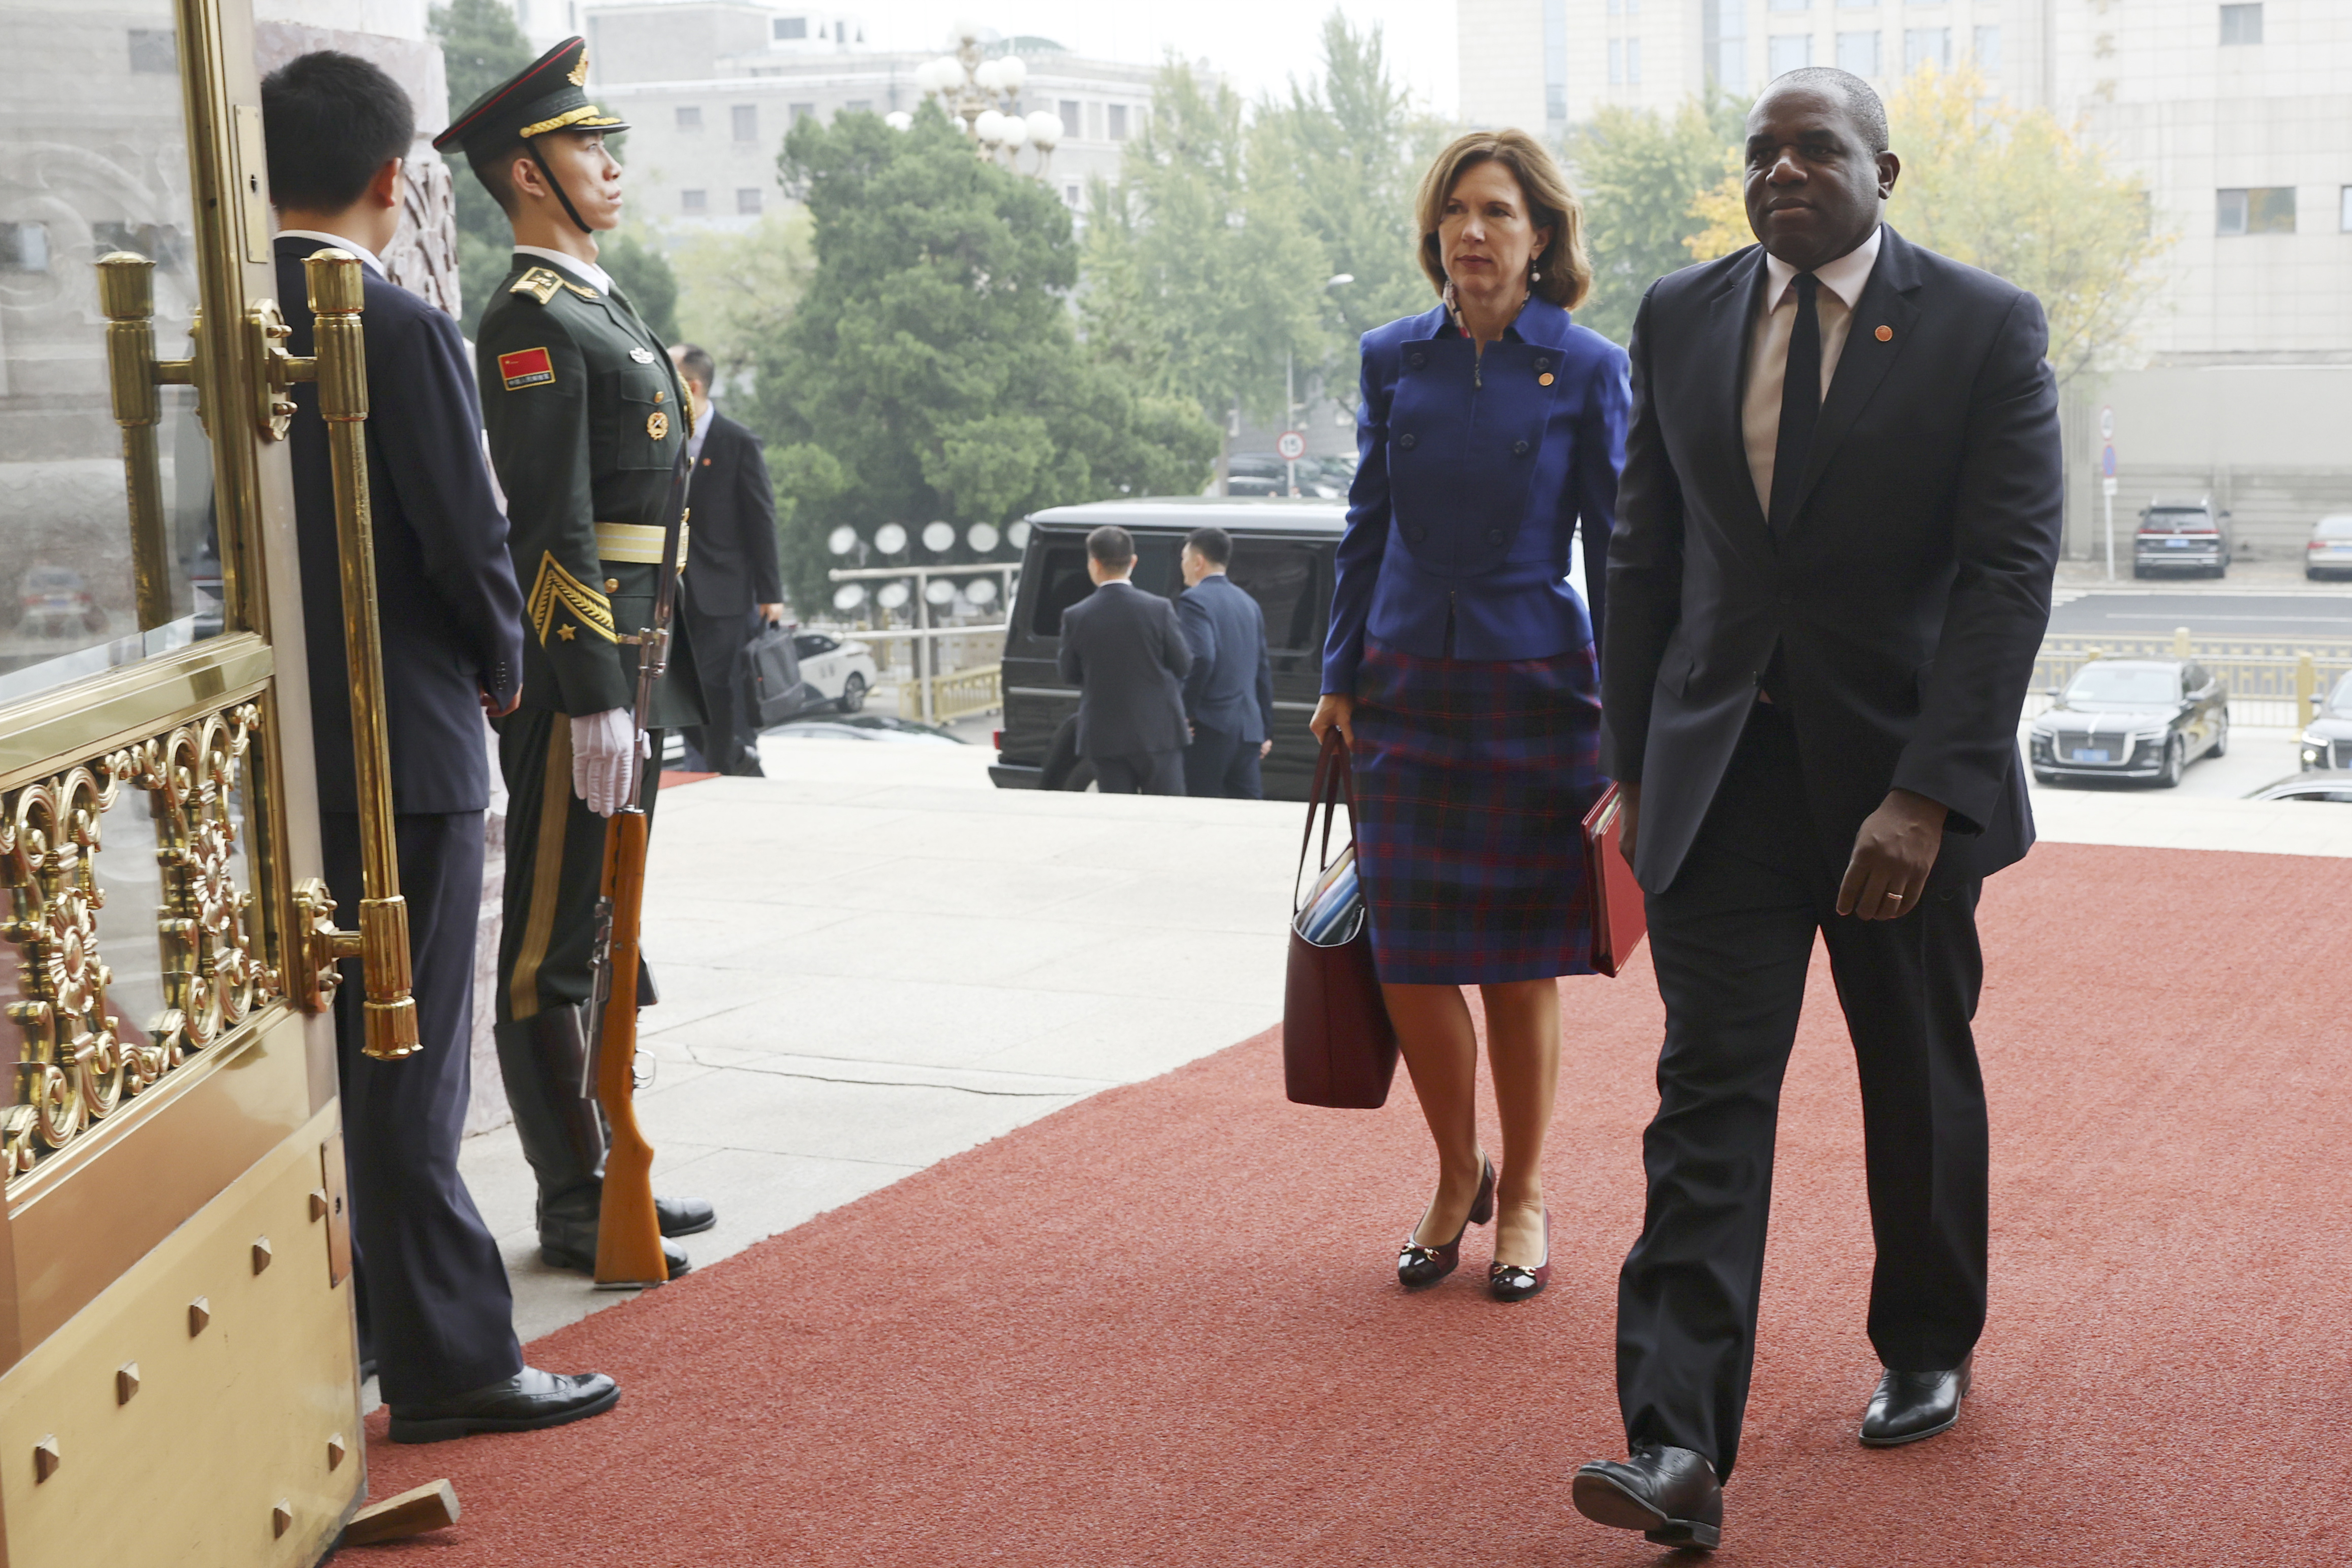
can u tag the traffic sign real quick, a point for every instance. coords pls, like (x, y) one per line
(1290, 446)
(2107, 425)
(2107, 462)
(2107, 489)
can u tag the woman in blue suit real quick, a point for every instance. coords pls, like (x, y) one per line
(1461, 668)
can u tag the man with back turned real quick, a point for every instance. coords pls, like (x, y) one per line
(1229, 695)
(586, 416)
(1829, 579)
(1122, 649)
(434, 1310)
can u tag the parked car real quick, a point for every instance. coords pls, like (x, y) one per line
(2329, 553)
(2182, 536)
(842, 672)
(2333, 785)
(1253, 475)
(2132, 718)
(1283, 552)
(54, 601)
(2327, 742)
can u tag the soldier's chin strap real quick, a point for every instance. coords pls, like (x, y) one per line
(555, 186)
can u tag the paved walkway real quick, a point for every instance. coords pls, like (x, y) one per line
(872, 960)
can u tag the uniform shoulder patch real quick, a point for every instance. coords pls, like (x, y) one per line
(540, 283)
(526, 368)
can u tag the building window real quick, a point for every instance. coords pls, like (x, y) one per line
(1118, 122)
(1791, 4)
(689, 117)
(1926, 46)
(2259, 210)
(1988, 50)
(801, 111)
(747, 201)
(155, 50)
(1616, 62)
(1073, 125)
(1070, 197)
(1790, 52)
(790, 28)
(2344, 217)
(1633, 62)
(1094, 122)
(694, 201)
(1724, 24)
(1858, 53)
(2242, 23)
(1555, 61)
(747, 122)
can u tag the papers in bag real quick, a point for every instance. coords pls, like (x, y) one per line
(1331, 908)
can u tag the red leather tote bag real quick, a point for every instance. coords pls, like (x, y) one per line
(1339, 1048)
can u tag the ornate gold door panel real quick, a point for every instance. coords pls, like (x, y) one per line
(178, 1378)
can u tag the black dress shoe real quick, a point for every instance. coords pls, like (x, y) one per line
(1669, 1495)
(1909, 1405)
(571, 1248)
(684, 1215)
(526, 1402)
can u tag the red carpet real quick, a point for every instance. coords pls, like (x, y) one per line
(1160, 1327)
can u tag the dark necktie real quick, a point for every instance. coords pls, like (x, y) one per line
(1800, 401)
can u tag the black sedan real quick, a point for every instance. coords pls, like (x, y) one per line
(2132, 718)
(2332, 784)
(2327, 740)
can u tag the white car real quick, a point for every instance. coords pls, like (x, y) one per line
(2330, 549)
(840, 672)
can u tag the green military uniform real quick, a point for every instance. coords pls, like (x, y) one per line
(586, 419)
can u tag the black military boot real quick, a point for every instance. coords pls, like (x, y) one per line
(544, 1059)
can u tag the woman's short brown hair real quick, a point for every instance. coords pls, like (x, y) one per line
(1566, 269)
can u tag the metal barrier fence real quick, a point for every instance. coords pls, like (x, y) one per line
(2272, 681)
(956, 694)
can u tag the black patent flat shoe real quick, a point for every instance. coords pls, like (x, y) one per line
(1512, 1282)
(1418, 1265)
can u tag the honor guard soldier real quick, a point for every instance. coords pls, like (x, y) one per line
(586, 419)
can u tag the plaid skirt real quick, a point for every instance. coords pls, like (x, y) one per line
(1472, 778)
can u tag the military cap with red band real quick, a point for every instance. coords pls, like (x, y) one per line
(546, 96)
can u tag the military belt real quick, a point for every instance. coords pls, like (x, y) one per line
(639, 544)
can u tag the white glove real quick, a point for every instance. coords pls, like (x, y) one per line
(601, 770)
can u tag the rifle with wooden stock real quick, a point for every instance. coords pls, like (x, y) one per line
(628, 1232)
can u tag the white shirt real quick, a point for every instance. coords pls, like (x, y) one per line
(587, 272)
(342, 242)
(1767, 346)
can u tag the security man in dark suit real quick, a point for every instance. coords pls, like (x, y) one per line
(1229, 695)
(434, 1307)
(1122, 649)
(586, 417)
(732, 584)
(1836, 531)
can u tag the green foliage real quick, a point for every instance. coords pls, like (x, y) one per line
(931, 371)
(1639, 176)
(1354, 151)
(645, 275)
(481, 47)
(736, 291)
(1201, 279)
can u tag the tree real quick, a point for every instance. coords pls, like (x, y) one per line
(1354, 151)
(2018, 193)
(644, 273)
(1639, 176)
(933, 370)
(1199, 277)
(738, 289)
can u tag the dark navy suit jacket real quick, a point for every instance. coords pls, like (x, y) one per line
(730, 560)
(1906, 597)
(1122, 649)
(450, 612)
(1470, 485)
(1230, 688)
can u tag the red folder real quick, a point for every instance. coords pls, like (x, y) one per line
(1619, 920)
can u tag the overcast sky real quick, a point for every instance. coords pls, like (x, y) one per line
(1257, 44)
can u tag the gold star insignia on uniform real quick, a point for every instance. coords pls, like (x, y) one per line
(657, 424)
(565, 631)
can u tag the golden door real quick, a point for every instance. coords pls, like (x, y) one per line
(181, 1383)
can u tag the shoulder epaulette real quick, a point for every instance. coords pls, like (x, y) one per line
(540, 283)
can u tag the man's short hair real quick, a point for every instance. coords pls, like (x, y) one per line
(1860, 100)
(495, 170)
(1111, 545)
(1215, 544)
(329, 121)
(695, 363)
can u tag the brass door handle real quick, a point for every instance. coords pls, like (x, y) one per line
(338, 366)
(126, 293)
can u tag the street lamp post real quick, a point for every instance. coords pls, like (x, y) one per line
(984, 92)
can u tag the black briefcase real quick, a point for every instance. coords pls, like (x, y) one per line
(775, 676)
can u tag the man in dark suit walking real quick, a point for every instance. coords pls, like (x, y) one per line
(1837, 527)
(434, 1309)
(1229, 695)
(1122, 649)
(732, 582)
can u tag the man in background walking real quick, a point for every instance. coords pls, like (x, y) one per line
(1122, 649)
(733, 584)
(1229, 695)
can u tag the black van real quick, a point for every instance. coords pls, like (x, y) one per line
(1282, 554)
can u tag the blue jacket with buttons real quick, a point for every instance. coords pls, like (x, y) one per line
(1471, 478)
